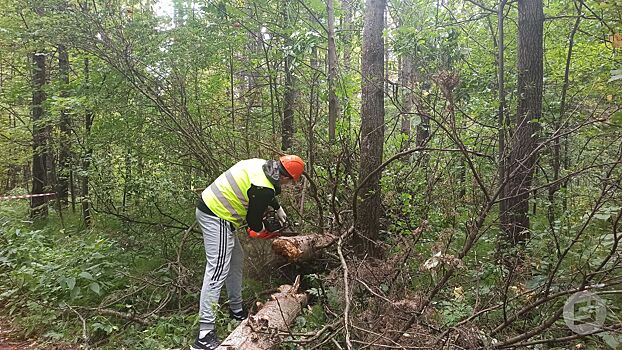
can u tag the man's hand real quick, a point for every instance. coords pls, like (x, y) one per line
(281, 215)
(263, 234)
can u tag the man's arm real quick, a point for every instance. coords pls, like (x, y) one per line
(259, 198)
(275, 203)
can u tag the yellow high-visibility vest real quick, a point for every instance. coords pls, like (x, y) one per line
(227, 196)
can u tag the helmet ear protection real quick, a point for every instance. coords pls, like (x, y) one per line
(291, 166)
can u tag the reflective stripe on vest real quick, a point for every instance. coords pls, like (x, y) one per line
(236, 188)
(227, 195)
(223, 200)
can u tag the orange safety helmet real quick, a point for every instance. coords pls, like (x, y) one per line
(292, 165)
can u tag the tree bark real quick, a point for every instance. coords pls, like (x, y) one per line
(39, 131)
(372, 126)
(333, 108)
(300, 248)
(259, 332)
(523, 155)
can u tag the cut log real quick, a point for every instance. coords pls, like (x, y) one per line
(298, 248)
(260, 332)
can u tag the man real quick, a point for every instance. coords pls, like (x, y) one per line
(242, 193)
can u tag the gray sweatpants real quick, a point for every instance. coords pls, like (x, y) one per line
(224, 266)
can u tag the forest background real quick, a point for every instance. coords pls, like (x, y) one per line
(466, 156)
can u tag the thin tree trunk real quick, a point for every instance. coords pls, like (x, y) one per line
(372, 126)
(385, 21)
(289, 96)
(523, 156)
(272, 86)
(557, 156)
(86, 160)
(406, 85)
(423, 127)
(501, 112)
(127, 180)
(39, 131)
(348, 14)
(231, 85)
(333, 108)
(314, 106)
(72, 190)
(64, 159)
(289, 99)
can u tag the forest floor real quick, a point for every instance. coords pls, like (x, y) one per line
(8, 341)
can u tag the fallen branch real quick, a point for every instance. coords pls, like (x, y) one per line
(261, 331)
(123, 315)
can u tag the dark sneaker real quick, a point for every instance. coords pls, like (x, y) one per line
(240, 315)
(208, 342)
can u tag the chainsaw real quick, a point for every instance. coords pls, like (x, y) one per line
(272, 224)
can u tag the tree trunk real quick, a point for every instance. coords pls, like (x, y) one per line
(64, 157)
(258, 332)
(372, 126)
(333, 108)
(39, 142)
(299, 248)
(523, 155)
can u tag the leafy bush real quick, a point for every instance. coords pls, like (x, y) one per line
(44, 270)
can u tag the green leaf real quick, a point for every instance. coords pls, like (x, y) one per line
(95, 287)
(71, 282)
(612, 341)
(86, 275)
(75, 292)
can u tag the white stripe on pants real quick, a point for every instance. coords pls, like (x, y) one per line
(224, 266)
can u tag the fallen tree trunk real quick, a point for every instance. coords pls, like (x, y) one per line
(260, 332)
(298, 248)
